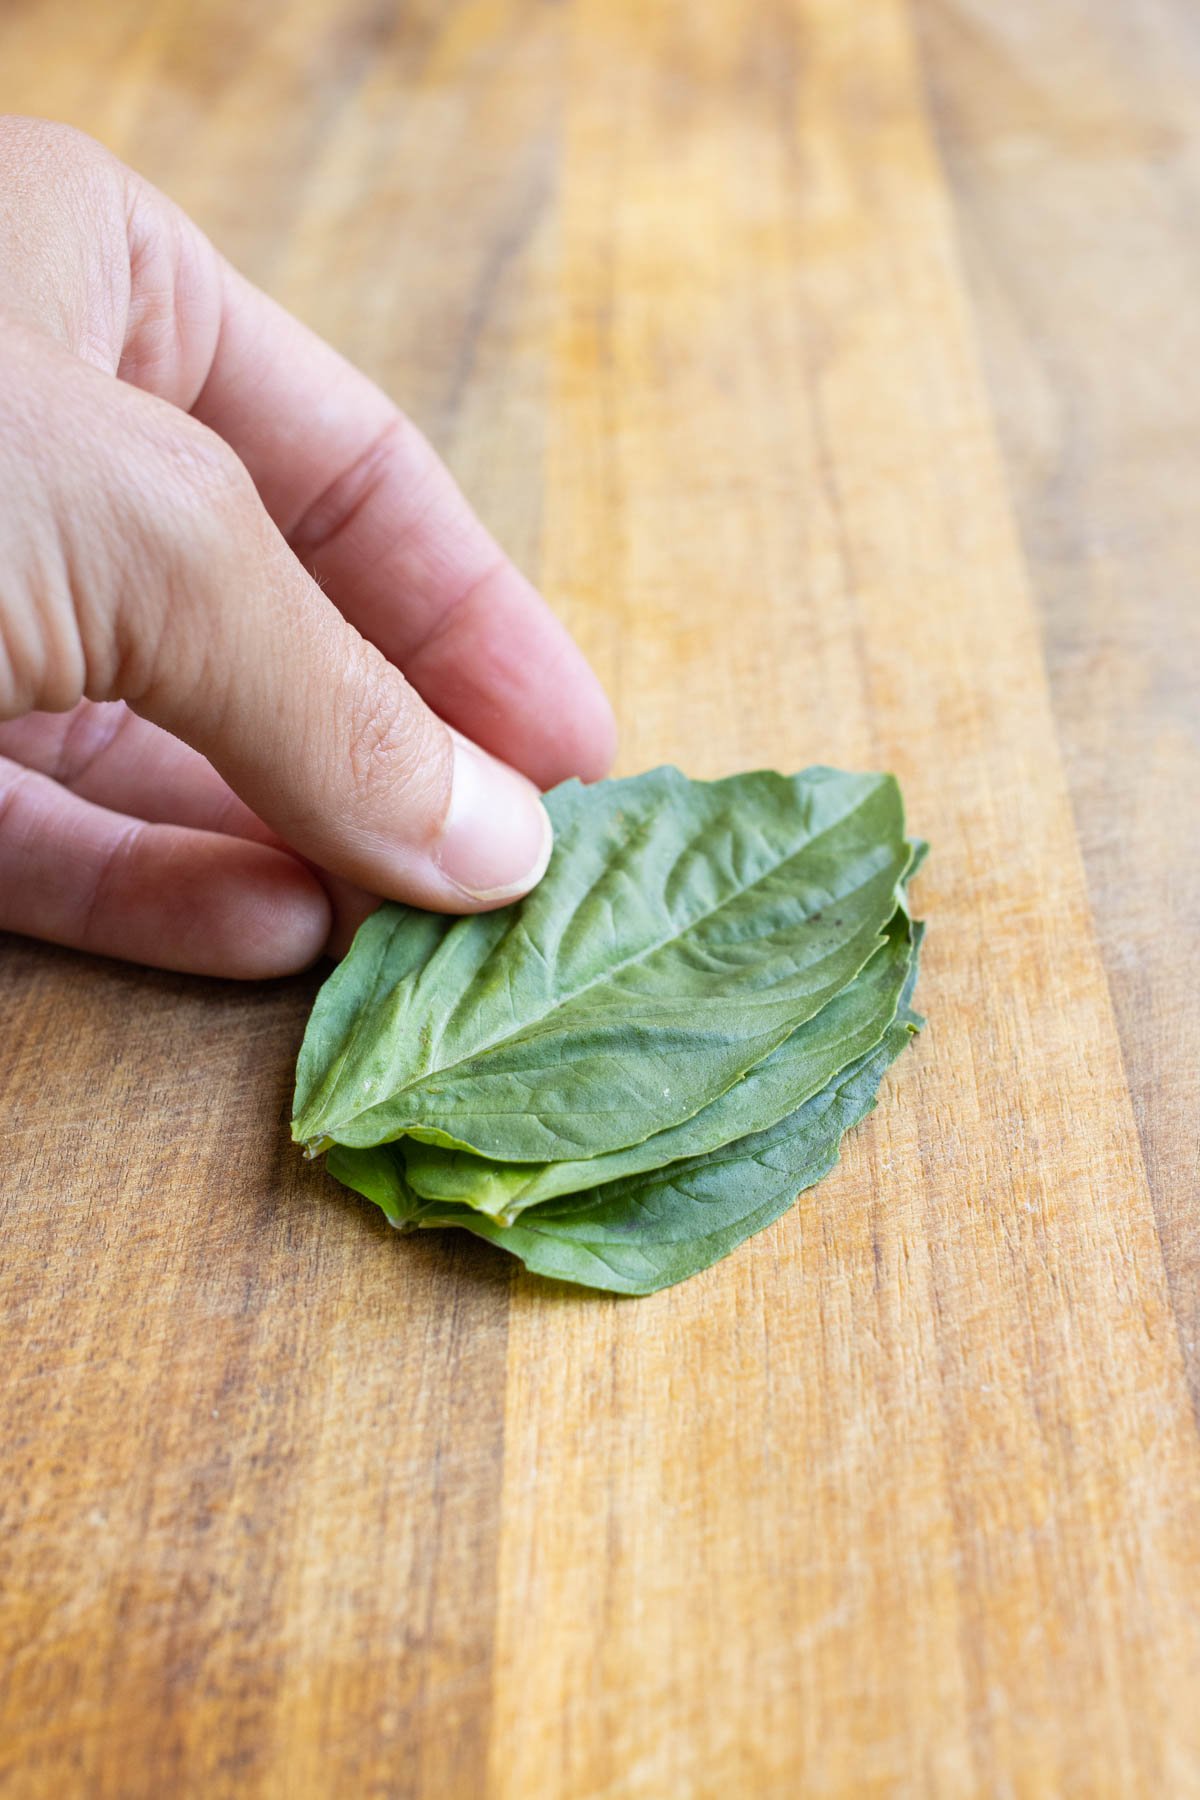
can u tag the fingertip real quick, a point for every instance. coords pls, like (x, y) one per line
(593, 747)
(204, 904)
(170, 896)
(269, 916)
(506, 672)
(350, 905)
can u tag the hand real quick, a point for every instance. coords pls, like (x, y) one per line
(219, 546)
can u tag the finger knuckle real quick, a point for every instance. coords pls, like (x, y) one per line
(42, 662)
(50, 142)
(209, 516)
(205, 465)
(191, 515)
(67, 175)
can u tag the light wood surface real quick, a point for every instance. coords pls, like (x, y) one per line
(830, 363)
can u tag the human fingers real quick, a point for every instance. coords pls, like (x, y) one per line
(353, 485)
(142, 565)
(201, 902)
(103, 752)
(368, 506)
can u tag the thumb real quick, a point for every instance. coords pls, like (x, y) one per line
(328, 743)
(192, 608)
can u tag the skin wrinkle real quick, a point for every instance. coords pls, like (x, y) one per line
(333, 511)
(118, 851)
(455, 606)
(314, 534)
(45, 666)
(400, 746)
(14, 780)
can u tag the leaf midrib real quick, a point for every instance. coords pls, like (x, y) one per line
(606, 975)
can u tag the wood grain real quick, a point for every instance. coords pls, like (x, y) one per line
(741, 323)
(1088, 329)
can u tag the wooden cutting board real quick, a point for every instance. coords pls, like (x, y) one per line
(831, 363)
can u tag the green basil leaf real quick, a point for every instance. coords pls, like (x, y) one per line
(377, 1173)
(649, 1231)
(684, 930)
(842, 1031)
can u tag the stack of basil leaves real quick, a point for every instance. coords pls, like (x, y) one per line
(624, 1075)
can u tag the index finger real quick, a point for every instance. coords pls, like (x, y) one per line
(368, 506)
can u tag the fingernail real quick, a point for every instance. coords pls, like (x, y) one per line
(498, 836)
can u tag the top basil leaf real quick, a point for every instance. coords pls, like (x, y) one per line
(684, 930)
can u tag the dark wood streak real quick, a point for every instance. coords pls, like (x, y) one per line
(204, 1344)
(1071, 155)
